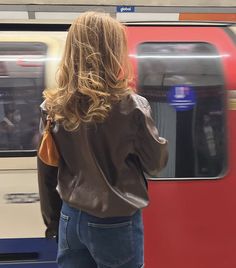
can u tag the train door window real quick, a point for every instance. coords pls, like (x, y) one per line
(21, 84)
(185, 86)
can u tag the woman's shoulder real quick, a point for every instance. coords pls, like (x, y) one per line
(43, 111)
(43, 106)
(134, 102)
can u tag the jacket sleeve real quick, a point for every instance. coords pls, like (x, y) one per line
(50, 201)
(149, 146)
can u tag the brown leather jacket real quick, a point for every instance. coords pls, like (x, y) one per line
(102, 165)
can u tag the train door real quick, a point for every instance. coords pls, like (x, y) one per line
(27, 66)
(185, 73)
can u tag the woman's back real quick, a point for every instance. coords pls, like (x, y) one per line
(101, 165)
(106, 140)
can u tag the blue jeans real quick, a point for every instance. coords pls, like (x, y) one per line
(86, 241)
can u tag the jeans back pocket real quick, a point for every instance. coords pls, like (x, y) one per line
(62, 241)
(111, 244)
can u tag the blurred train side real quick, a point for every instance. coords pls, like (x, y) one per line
(191, 218)
(28, 65)
(191, 222)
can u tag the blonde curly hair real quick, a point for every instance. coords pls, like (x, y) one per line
(93, 73)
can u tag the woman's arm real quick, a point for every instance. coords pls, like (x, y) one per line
(149, 146)
(50, 201)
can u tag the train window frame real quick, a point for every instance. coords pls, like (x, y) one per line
(42, 51)
(223, 100)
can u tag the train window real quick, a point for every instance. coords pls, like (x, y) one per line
(22, 81)
(185, 86)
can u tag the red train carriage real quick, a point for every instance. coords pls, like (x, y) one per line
(188, 73)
